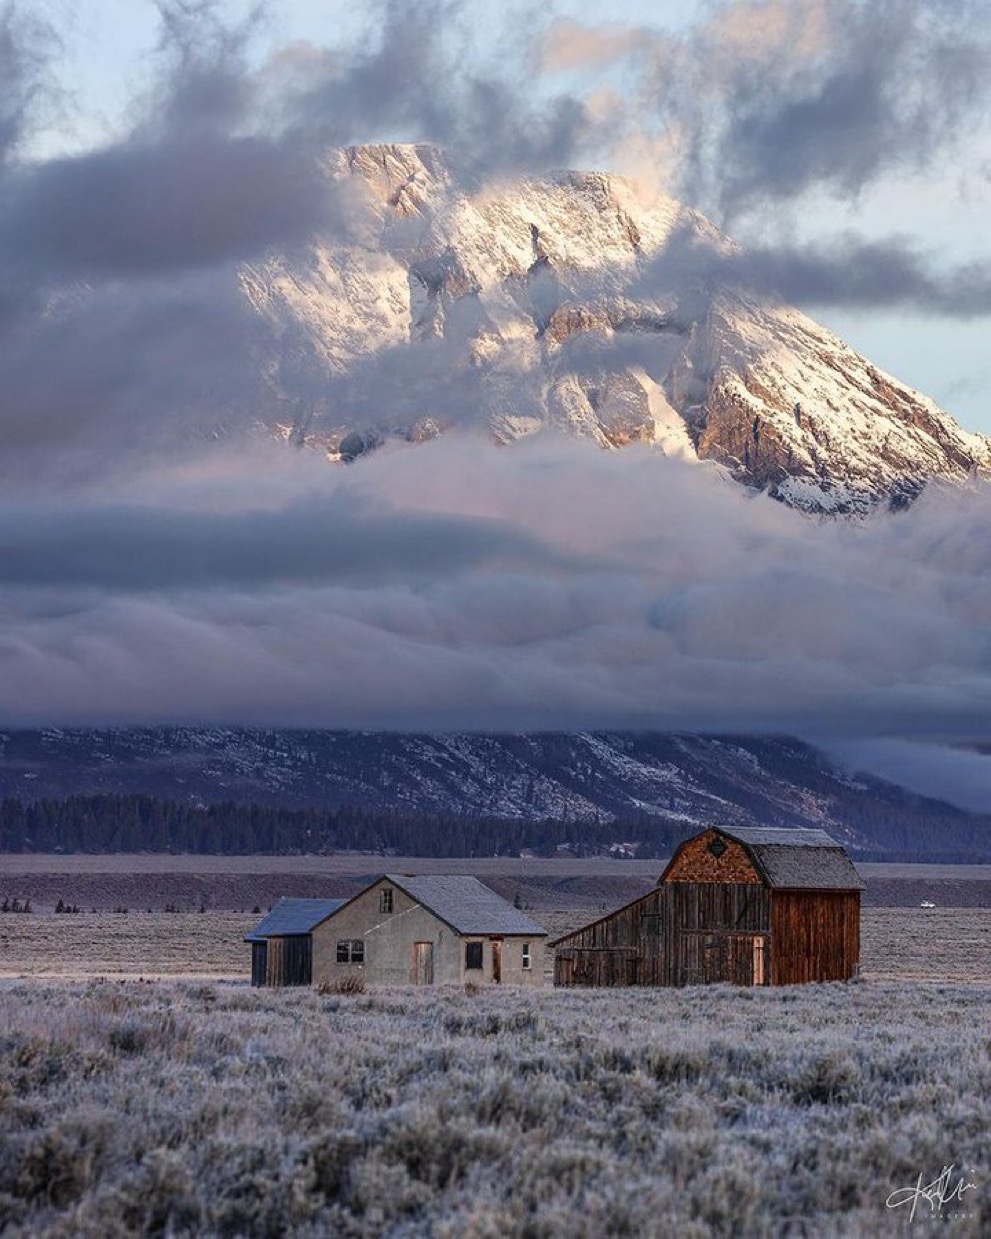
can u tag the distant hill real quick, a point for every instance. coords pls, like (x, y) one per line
(627, 786)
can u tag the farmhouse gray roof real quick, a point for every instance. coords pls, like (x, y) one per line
(468, 906)
(797, 859)
(293, 916)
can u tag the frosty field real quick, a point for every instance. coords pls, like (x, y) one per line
(211, 1109)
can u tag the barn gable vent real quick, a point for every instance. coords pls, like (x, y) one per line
(717, 847)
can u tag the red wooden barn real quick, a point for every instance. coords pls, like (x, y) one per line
(749, 905)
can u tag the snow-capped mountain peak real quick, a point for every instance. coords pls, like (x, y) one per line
(558, 302)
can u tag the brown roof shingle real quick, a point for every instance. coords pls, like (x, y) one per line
(797, 859)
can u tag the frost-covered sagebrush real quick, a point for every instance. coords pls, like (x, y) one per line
(217, 1110)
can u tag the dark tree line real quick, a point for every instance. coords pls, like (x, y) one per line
(110, 823)
(918, 830)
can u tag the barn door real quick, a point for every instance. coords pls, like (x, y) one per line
(712, 959)
(497, 962)
(423, 963)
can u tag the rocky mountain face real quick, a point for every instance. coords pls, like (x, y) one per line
(678, 781)
(568, 302)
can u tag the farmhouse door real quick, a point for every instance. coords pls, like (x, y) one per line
(497, 962)
(423, 963)
(760, 961)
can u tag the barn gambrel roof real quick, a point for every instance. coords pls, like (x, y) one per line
(797, 859)
(466, 904)
(293, 916)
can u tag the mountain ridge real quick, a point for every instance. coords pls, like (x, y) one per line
(662, 780)
(570, 302)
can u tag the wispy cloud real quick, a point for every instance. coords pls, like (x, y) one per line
(764, 100)
(847, 271)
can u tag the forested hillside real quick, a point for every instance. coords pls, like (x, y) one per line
(110, 823)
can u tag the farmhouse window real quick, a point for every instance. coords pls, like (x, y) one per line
(527, 962)
(717, 847)
(385, 900)
(473, 955)
(351, 952)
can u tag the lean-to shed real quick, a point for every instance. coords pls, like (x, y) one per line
(282, 942)
(748, 905)
(429, 929)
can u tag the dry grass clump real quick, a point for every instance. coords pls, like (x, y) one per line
(351, 984)
(215, 1109)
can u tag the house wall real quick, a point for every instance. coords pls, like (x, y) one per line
(815, 935)
(512, 971)
(693, 862)
(389, 939)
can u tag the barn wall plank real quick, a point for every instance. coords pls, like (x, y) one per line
(815, 936)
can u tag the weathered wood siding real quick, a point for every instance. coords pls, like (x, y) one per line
(815, 936)
(693, 862)
(714, 917)
(259, 962)
(289, 960)
(680, 933)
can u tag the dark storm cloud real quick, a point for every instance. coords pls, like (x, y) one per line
(196, 179)
(130, 549)
(109, 373)
(848, 271)
(192, 202)
(948, 773)
(205, 85)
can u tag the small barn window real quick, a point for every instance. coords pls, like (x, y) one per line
(385, 899)
(351, 952)
(717, 847)
(527, 962)
(473, 955)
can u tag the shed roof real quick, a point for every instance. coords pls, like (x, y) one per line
(466, 904)
(797, 859)
(293, 916)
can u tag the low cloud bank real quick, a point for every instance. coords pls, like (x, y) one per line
(953, 774)
(456, 585)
